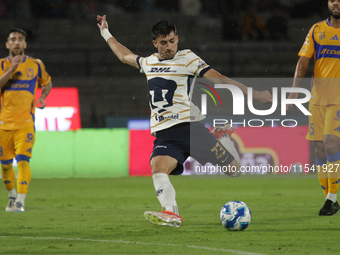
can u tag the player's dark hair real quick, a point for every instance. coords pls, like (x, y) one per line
(17, 30)
(163, 28)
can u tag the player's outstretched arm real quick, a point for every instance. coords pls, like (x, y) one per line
(122, 53)
(262, 96)
(300, 72)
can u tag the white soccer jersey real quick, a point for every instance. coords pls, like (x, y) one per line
(169, 88)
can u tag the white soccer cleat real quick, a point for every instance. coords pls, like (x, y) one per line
(165, 218)
(18, 207)
(10, 205)
(220, 131)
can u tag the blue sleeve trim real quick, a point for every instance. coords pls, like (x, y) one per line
(138, 58)
(22, 157)
(6, 162)
(204, 71)
(39, 69)
(314, 38)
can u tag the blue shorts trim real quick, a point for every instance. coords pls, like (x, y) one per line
(6, 162)
(22, 158)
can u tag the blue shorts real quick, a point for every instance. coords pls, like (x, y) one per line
(190, 139)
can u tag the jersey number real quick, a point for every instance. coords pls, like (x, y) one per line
(311, 129)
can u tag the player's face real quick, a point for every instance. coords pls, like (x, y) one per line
(16, 44)
(166, 45)
(334, 8)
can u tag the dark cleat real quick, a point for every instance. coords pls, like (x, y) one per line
(329, 208)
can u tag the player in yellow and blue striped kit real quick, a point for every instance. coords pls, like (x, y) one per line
(19, 79)
(323, 42)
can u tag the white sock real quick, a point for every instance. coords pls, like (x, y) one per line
(12, 193)
(21, 198)
(166, 193)
(228, 144)
(332, 196)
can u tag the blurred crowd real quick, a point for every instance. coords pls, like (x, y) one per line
(242, 20)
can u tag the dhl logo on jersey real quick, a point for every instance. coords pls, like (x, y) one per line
(161, 70)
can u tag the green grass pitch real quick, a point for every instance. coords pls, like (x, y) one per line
(105, 216)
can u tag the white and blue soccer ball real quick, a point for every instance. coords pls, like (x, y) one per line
(235, 215)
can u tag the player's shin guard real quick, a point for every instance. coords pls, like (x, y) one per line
(333, 169)
(322, 175)
(166, 193)
(24, 176)
(8, 176)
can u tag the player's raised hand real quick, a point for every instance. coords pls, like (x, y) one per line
(291, 96)
(263, 96)
(16, 62)
(102, 22)
(104, 27)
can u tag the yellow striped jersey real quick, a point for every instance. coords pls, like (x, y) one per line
(18, 95)
(323, 42)
(169, 88)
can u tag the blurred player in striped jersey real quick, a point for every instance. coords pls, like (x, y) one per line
(168, 75)
(19, 79)
(323, 42)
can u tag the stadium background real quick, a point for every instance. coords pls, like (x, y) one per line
(65, 36)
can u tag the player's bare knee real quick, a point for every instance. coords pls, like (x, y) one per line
(331, 149)
(162, 164)
(319, 149)
(156, 170)
(331, 144)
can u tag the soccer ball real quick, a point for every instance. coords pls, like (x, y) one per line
(235, 215)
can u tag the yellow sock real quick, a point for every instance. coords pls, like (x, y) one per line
(333, 184)
(322, 175)
(24, 176)
(333, 167)
(8, 176)
(323, 182)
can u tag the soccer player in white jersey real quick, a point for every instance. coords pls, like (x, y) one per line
(172, 113)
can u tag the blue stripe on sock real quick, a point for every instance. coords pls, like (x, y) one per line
(320, 162)
(333, 158)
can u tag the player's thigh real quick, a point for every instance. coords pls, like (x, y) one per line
(6, 145)
(24, 139)
(316, 123)
(332, 120)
